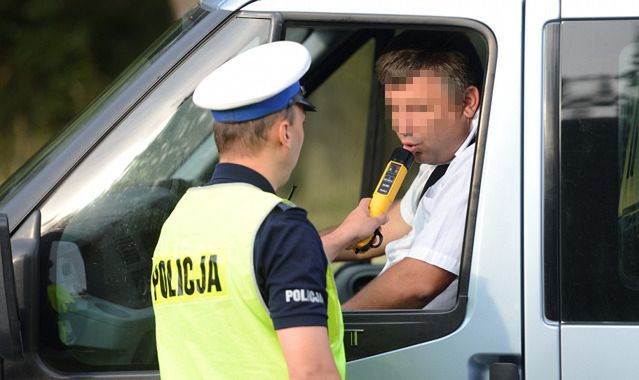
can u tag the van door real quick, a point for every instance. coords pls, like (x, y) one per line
(482, 332)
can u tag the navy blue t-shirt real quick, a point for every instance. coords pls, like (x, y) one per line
(289, 259)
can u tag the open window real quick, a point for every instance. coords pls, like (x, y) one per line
(346, 147)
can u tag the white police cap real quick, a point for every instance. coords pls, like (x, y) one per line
(256, 83)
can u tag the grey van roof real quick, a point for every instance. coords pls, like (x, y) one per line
(230, 5)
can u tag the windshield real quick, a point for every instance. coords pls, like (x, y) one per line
(125, 80)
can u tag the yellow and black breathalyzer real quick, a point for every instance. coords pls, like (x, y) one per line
(385, 193)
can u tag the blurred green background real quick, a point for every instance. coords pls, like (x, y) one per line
(55, 57)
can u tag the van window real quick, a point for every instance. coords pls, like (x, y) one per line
(347, 145)
(100, 227)
(329, 171)
(599, 153)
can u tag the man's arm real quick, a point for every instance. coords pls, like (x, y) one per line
(395, 228)
(410, 284)
(307, 353)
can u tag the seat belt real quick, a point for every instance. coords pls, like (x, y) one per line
(438, 173)
(434, 177)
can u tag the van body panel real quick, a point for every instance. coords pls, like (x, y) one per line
(599, 352)
(598, 9)
(541, 337)
(227, 5)
(459, 8)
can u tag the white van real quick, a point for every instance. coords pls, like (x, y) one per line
(549, 281)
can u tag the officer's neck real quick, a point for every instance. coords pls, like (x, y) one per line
(264, 164)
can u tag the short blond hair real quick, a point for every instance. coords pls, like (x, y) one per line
(248, 136)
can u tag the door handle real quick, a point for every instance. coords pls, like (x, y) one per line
(503, 371)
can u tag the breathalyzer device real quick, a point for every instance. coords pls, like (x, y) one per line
(385, 192)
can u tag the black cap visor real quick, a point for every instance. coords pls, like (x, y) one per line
(301, 100)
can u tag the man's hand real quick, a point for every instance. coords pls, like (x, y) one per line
(307, 352)
(357, 226)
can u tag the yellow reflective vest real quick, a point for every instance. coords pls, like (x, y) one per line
(210, 319)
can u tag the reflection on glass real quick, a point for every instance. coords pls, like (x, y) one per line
(101, 225)
(599, 192)
(100, 264)
(629, 193)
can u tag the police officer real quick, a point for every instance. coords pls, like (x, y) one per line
(241, 285)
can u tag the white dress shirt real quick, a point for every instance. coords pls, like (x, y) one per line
(438, 219)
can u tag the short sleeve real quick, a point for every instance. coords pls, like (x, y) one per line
(290, 268)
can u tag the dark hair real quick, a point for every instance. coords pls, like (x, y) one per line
(248, 136)
(449, 54)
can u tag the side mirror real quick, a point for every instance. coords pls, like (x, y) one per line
(10, 338)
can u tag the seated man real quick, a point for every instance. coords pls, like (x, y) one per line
(431, 85)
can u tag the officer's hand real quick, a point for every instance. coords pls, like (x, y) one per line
(357, 226)
(361, 224)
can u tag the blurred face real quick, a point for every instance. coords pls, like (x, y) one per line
(426, 116)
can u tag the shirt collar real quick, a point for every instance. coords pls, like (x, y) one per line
(471, 136)
(228, 173)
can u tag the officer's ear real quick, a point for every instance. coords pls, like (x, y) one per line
(283, 131)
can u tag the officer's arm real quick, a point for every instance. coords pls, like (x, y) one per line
(410, 284)
(307, 353)
(393, 230)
